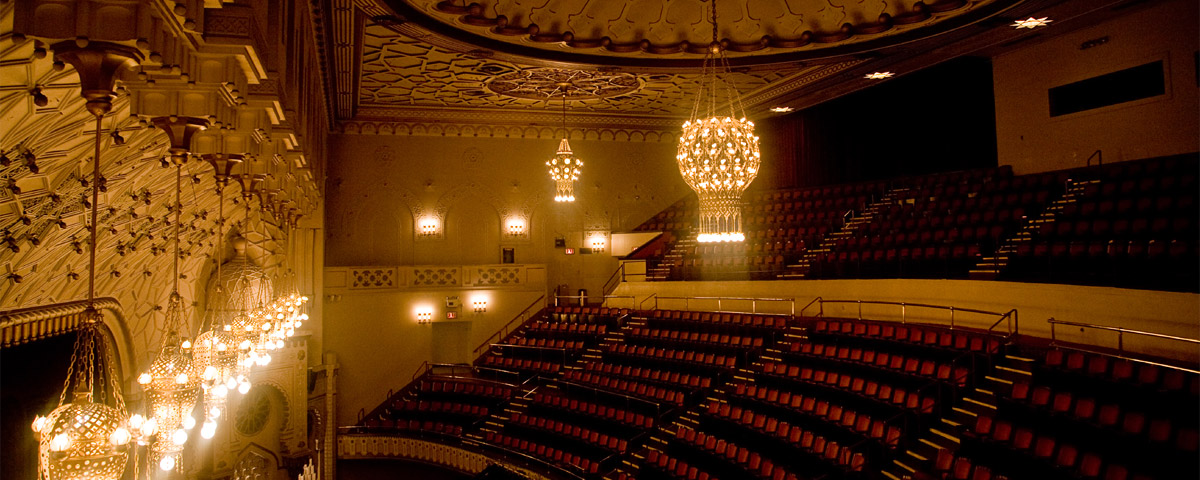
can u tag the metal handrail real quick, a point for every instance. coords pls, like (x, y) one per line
(1098, 155)
(642, 304)
(819, 304)
(1121, 331)
(1010, 315)
(621, 270)
(753, 302)
(504, 330)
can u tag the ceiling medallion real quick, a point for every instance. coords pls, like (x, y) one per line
(547, 83)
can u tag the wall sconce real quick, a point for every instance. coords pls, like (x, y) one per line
(428, 227)
(424, 316)
(516, 227)
(480, 305)
(597, 241)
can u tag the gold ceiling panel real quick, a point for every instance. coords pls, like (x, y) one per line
(400, 72)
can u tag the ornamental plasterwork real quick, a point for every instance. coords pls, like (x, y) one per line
(400, 71)
(446, 129)
(559, 83)
(678, 28)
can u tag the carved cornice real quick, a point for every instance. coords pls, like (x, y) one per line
(448, 129)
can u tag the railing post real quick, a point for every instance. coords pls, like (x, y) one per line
(952, 317)
(860, 309)
(1121, 340)
(903, 313)
(1053, 340)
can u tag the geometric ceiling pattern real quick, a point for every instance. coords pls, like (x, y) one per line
(398, 71)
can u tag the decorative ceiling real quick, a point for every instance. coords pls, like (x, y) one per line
(489, 67)
(682, 28)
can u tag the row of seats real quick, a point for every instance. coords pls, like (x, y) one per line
(1123, 370)
(629, 387)
(916, 401)
(860, 423)
(679, 469)
(521, 364)
(977, 342)
(749, 459)
(743, 319)
(413, 425)
(612, 443)
(700, 337)
(813, 442)
(595, 409)
(688, 356)
(651, 374)
(549, 453)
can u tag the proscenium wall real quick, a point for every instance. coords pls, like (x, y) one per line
(1030, 140)
(377, 184)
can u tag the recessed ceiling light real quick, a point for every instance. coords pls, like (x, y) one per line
(879, 75)
(782, 109)
(1032, 23)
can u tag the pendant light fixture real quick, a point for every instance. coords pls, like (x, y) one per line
(171, 382)
(215, 351)
(89, 437)
(564, 167)
(718, 151)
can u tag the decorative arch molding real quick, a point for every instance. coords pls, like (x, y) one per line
(254, 456)
(466, 190)
(31, 324)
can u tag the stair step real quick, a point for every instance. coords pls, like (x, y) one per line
(977, 402)
(1014, 370)
(947, 436)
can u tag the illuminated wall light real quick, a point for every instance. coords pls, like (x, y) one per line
(428, 227)
(1031, 23)
(879, 75)
(516, 227)
(479, 305)
(424, 315)
(782, 109)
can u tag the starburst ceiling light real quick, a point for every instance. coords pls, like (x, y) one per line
(1031, 23)
(171, 382)
(89, 438)
(718, 153)
(564, 167)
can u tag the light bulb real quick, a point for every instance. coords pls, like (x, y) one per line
(167, 463)
(291, 331)
(189, 422)
(245, 345)
(181, 378)
(186, 344)
(39, 423)
(220, 391)
(215, 412)
(60, 442)
(231, 383)
(210, 373)
(303, 316)
(208, 430)
(266, 326)
(144, 378)
(120, 436)
(179, 437)
(221, 347)
(243, 388)
(150, 427)
(266, 359)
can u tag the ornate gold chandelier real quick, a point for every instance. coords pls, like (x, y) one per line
(87, 438)
(564, 167)
(171, 382)
(718, 153)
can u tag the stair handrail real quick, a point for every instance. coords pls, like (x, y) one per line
(820, 305)
(642, 304)
(753, 303)
(1121, 331)
(610, 285)
(524, 316)
(1010, 316)
(1098, 155)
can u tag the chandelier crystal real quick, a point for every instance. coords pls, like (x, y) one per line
(718, 152)
(564, 167)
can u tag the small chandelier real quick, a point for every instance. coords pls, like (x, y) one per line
(564, 167)
(718, 152)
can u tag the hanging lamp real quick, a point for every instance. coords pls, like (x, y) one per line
(564, 167)
(718, 152)
(215, 350)
(171, 382)
(89, 437)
